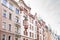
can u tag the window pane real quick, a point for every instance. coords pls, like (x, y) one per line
(4, 13)
(4, 2)
(4, 25)
(3, 37)
(17, 19)
(9, 38)
(9, 27)
(10, 6)
(17, 11)
(10, 16)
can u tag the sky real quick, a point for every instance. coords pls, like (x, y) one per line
(48, 10)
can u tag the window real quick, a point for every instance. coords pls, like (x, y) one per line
(11, 6)
(4, 2)
(32, 27)
(17, 19)
(3, 37)
(26, 39)
(25, 33)
(23, 38)
(9, 38)
(17, 29)
(9, 27)
(17, 11)
(16, 38)
(4, 13)
(4, 25)
(10, 16)
(30, 34)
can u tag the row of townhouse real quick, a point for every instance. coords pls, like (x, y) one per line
(17, 22)
(44, 32)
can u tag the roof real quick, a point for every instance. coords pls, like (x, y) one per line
(25, 4)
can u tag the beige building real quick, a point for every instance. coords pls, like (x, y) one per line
(16, 22)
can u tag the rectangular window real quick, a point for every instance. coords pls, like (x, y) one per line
(17, 29)
(32, 28)
(30, 34)
(17, 11)
(17, 19)
(25, 33)
(4, 13)
(23, 38)
(4, 2)
(9, 27)
(16, 38)
(11, 6)
(10, 16)
(9, 38)
(3, 37)
(4, 25)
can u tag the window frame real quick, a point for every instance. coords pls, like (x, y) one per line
(4, 25)
(17, 11)
(10, 16)
(9, 27)
(4, 14)
(4, 2)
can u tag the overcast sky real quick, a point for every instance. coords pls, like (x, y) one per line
(49, 10)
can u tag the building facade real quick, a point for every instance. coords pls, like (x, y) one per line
(17, 22)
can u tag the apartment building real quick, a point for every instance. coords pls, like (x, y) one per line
(9, 20)
(16, 22)
(43, 32)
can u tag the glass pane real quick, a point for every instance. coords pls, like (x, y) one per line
(17, 11)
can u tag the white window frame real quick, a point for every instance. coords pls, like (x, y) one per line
(4, 25)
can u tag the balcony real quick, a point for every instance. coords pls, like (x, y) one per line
(17, 24)
(17, 34)
(26, 26)
(25, 22)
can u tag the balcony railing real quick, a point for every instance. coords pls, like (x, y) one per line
(17, 33)
(17, 24)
